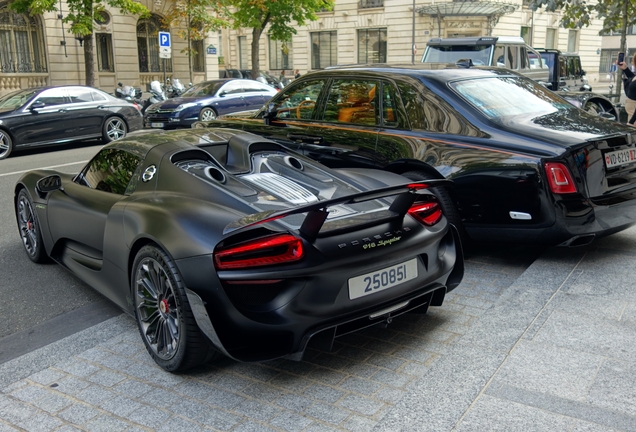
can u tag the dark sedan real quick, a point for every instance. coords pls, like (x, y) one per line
(206, 100)
(56, 115)
(527, 165)
(229, 243)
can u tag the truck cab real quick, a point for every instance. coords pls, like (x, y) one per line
(508, 52)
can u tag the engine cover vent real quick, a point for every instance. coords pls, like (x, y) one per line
(282, 187)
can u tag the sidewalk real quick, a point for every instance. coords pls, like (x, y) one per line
(551, 349)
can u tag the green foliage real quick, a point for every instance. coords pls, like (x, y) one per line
(79, 13)
(196, 18)
(577, 13)
(281, 15)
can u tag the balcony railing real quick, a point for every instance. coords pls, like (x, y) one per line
(366, 4)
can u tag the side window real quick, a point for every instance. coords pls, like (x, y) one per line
(499, 58)
(389, 105)
(523, 58)
(427, 112)
(79, 95)
(98, 97)
(254, 87)
(353, 101)
(110, 171)
(299, 102)
(54, 96)
(233, 87)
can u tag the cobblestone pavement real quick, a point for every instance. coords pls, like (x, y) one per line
(424, 372)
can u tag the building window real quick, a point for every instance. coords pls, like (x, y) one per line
(148, 45)
(104, 52)
(324, 49)
(372, 46)
(365, 4)
(573, 38)
(21, 43)
(279, 54)
(198, 56)
(244, 51)
(550, 38)
(526, 34)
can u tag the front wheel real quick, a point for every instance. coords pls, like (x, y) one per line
(446, 202)
(207, 114)
(114, 129)
(163, 313)
(29, 227)
(6, 145)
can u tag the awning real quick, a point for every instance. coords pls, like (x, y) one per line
(467, 8)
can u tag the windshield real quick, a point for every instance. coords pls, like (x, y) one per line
(503, 97)
(16, 99)
(480, 54)
(204, 89)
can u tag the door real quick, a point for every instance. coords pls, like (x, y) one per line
(230, 98)
(46, 119)
(87, 110)
(80, 212)
(346, 134)
(256, 94)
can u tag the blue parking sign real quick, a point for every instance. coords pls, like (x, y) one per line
(164, 39)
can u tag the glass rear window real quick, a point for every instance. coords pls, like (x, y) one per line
(509, 96)
(480, 54)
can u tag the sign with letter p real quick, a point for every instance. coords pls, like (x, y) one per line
(164, 39)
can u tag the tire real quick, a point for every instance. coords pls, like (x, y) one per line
(29, 228)
(164, 318)
(207, 114)
(114, 128)
(6, 145)
(449, 208)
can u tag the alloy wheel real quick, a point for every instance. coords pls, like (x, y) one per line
(207, 114)
(157, 308)
(28, 226)
(5, 145)
(115, 129)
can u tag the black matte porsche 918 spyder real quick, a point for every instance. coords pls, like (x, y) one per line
(223, 242)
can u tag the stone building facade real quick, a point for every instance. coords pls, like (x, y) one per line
(360, 31)
(37, 51)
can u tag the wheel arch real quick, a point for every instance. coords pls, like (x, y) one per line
(401, 166)
(112, 114)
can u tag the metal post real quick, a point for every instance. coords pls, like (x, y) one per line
(413, 36)
(163, 60)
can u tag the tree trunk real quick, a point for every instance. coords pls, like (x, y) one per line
(256, 37)
(89, 60)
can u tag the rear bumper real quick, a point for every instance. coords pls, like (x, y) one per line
(576, 223)
(317, 306)
(168, 120)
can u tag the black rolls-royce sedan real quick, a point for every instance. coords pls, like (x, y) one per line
(528, 166)
(58, 115)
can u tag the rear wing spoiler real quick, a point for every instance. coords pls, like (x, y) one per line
(317, 212)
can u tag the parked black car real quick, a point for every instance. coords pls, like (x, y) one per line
(527, 165)
(57, 115)
(226, 242)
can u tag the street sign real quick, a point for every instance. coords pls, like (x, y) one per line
(164, 39)
(164, 55)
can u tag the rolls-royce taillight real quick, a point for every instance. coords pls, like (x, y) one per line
(559, 178)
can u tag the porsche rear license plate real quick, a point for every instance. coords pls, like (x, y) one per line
(620, 157)
(156, 125)
(369, 283)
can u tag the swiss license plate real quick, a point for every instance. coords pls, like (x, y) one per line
(620, 157)
(379, 280)
(156, 125)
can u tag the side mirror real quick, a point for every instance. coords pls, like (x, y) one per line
(37, 105)
(49, 184)
(270, 114)
(120, 84)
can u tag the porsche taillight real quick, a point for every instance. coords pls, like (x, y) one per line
(276, 249)
(428, 213)
(559, 178)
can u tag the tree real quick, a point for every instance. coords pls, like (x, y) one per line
(195, 19)
(81, 15)
(278, 14)
(617, 15)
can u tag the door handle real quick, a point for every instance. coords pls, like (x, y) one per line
(306, 138)
(62, 110)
